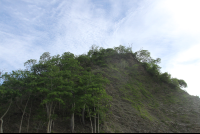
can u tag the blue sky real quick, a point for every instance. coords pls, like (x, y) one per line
(169, 29)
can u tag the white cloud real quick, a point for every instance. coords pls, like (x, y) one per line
(169, 29)
(186, 66)
(20, 40)
(80, 27)
(184, 61)
(185, 14)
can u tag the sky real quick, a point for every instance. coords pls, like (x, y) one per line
(168, 29)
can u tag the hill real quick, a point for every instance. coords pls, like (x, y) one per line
(137, 97)
(142, 104)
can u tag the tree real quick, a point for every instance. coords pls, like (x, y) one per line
(9, 92)
(29, 64)
(51, 86)
(165, 77)
(143, 56)
(1, 118)
(84, 60)
(182, 83)
(122, 49)
(1, 78)
(96, 97)
(28, 83)
(72, 70)
(45, 57)
(92, 50)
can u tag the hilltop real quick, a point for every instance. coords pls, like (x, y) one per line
(124, 91)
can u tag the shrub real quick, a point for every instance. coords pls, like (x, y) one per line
(165, 77)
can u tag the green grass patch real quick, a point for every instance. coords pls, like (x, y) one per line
(145, 114)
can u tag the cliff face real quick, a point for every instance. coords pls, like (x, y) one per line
(140, 104)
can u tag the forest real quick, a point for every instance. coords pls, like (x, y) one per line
(65, 86)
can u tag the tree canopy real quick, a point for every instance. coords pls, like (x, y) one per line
(67, 81)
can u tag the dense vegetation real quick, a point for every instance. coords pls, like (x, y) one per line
(68, 83)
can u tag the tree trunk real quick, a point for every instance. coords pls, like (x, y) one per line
(83, 115)
(29, 117)
(90, 120)
(72, 119)
(94, 121)
(52, 121)
(98, 124)
(1, 126)
(98, 119)
(72, 123)
(48, 127)
(52, 124)
(49, 110)
(23, 115)
(1, 129)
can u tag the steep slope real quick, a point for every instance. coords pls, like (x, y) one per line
(142, 104)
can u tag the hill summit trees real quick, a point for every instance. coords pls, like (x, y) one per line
(68, 83)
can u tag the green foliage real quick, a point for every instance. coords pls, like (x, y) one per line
(150, 64)
(174, 82)
(122, 49)
(45, 57)
(137, 94)
(67, 80)
(84, 60)
(143, 56)
(98, 55)
(29, 63)
(165, 77)
(94, 94)
(153, 69)
(182, 83)
(40, 114)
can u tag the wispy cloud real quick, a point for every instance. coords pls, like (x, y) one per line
(168, 29)
(23, 32)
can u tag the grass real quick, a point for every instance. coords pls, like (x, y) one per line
(146, 114)
(136, 96)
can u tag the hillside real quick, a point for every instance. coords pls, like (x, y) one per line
(140, 102)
